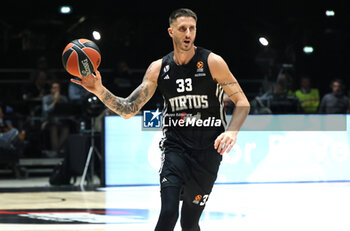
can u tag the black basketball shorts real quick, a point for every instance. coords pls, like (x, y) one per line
(194, 171)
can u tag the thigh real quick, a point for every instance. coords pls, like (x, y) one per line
(170, 200)
(208, 160)
(174, 168)
(204, 168)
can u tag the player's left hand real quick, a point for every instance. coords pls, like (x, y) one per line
(225, 141)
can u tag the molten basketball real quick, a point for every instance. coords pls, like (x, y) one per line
(81, 57)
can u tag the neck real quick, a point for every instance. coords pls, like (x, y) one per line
(182, 57)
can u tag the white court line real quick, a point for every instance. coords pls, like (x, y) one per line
(273, 207)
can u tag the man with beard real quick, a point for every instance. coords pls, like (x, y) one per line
(192, 81)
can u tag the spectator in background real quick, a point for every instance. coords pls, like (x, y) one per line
(50, 100)
(277, 102)
(10, 137)
(59, 130)
(285, 82)
(38, 88)
(282, 102)
(33, 92)
(308, 97)
(335, 102)
(268, 81)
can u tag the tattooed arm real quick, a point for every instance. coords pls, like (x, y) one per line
(223, 76)
(126, 107)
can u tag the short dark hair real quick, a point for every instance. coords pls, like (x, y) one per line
(182, 12)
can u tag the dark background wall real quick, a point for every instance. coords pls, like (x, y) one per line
(135, 31)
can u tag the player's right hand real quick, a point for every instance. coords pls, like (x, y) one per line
(91, 83)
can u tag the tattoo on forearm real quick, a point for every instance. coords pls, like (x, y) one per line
(227, 83)
(126, 106)
(237, 92)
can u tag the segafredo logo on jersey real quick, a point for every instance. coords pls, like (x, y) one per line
(189, 120)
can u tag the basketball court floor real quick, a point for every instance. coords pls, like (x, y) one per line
(239, 207)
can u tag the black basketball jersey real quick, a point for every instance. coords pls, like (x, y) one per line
(193, 113)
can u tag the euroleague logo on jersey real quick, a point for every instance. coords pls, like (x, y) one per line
(200, 66)
(200, 69)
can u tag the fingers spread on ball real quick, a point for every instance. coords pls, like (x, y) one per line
(75, 81)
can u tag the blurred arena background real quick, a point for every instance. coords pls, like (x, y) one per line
(270, 47)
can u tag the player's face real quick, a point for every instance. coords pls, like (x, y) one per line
(183, 32)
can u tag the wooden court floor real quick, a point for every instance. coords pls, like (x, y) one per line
(307, 206)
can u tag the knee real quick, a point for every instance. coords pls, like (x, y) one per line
(196, 228)
(188, 225)
(170, 214)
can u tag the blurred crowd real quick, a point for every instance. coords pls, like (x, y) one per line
(51, 108)
(284, 95)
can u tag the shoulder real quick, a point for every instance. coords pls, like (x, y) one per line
(215, 59)
(217, 65)
(153, 70)
(156, 65)
(216, 62)
(201, 51)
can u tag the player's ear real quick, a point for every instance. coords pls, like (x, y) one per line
(170, 31)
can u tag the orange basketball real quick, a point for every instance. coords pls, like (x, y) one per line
(81, 57)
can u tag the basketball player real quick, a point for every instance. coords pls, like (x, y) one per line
(192, 81)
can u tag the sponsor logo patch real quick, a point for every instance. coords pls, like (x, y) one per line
(152, 118)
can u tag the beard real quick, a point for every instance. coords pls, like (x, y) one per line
(181, 45)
